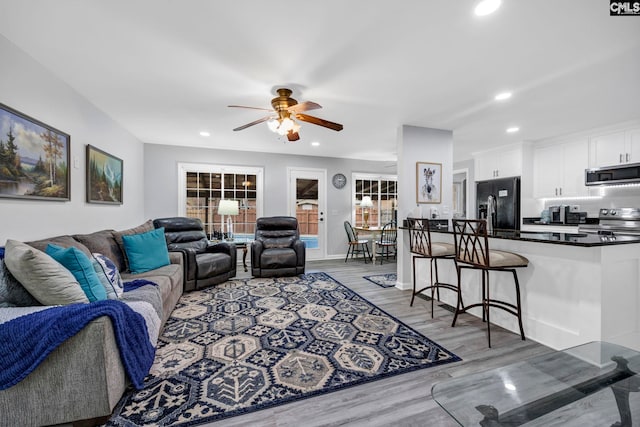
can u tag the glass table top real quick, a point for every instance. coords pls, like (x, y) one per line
(594, 384)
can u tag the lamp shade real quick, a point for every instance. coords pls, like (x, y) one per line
(228, 207)
(366, 202)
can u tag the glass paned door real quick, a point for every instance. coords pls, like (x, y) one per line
(307, 196)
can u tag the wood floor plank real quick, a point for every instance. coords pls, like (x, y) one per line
(402, 400)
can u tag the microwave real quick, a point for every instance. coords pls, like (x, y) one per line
(612, 175)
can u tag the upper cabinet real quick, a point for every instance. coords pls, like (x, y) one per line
(558, 169)
(498, 163)
(615, 148)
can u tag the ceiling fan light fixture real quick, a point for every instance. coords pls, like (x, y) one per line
(273, 125)
(285, 126)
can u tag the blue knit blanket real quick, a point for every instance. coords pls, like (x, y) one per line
(27, 340)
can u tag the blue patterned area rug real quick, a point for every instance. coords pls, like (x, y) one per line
(251, 344)
(386, 280)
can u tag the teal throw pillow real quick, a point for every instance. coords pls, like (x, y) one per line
(146, 251)
(79, 264)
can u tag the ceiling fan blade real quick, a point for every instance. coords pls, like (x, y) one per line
(264, 119)
(252, 108)
(293, 136)
(305, 106)
(320, 122)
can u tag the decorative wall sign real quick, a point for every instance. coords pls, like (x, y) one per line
(34, 158)
(104, 177)
(428, 182)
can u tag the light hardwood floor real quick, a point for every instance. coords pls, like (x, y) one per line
(402, 400)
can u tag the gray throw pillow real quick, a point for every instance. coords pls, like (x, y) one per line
(12, 293)
(45, 278)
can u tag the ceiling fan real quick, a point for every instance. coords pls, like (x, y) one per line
(285, 112)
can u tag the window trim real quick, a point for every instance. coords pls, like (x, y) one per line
(183, 168)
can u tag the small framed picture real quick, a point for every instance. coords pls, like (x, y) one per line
(104, 177)
(34, 158)
(428, 182)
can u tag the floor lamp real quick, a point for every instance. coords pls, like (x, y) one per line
(229, 208)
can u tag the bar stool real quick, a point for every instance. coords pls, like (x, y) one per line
(472, 252)
(422, 247)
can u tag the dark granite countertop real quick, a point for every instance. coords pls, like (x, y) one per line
(569, 239)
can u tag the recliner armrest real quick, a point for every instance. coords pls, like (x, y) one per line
(256, 250)
(188, 262)
(299, 247)
(226, 248)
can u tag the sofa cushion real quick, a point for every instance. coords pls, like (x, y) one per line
(80, 266)
(117, 235)
(62, 241)
(12, 293)
(104, 242)
(168, 278)
(112, 275)
(146, 251)
(45, 278)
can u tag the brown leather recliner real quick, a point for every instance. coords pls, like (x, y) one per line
(277, 249)
(205, 263)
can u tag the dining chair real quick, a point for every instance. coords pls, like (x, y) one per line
(356, 245)
(472, 252)
(422, 247)
(386, 245)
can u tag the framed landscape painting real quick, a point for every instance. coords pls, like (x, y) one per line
(34, 158)
(428, 182)
(104, 177)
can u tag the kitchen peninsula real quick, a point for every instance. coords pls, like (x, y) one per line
(578, 287)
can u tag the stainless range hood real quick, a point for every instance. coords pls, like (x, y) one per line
(613, 175)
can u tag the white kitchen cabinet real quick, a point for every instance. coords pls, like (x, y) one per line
(558, 169)
(616, 148)
(632, 138)
(498, 164)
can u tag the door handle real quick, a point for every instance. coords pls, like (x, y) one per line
(620, 157)
(320, 217)
(556, 191)
(627, 157)
(561, 191)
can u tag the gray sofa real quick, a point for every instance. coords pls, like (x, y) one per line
(83, 379)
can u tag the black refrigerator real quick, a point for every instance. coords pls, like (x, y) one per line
(506, 193)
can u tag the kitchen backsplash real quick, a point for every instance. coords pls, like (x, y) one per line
(612, 198)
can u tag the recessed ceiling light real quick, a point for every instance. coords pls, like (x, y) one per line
(315, 143)
(513, 129)
(205, 133)
(487, 7)
(502, 96)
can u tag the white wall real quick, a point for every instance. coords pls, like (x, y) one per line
(417, 144)
(161, 182)
(28, 87)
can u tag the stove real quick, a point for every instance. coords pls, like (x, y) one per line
(615, 221)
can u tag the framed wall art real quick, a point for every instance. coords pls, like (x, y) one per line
(34, 158)
(104, 177)
(428, 182)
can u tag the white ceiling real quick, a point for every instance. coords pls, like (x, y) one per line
(167, 69)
